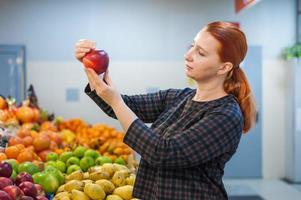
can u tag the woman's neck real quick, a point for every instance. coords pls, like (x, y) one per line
(209, 91)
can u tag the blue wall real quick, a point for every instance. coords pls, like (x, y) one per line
(135, 29)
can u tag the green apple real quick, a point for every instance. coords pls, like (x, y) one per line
(49, 183)
(72, 161)
(120, 161)
(52, 156)
(57, 173)
(86, 162)
(13, 175)
(60, 165)
(73, 168)
(50, 163)
(28, 167)
(37, 177)
(92, 153)
(65, 156)
(80, 151)
(102, 160)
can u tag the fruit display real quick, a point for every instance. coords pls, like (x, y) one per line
(37, 136)
(18, 188)
(81, 158)
(51, 158)
(108, 181)
(107, 140)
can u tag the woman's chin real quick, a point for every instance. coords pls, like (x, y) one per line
(188, 74)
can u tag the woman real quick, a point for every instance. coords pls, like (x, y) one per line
(194, 132)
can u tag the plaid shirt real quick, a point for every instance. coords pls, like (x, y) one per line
(184, 152)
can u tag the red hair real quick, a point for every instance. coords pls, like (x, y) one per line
(233, 49)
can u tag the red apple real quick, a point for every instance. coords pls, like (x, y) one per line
(14, 192)
(41, 198)
(5, 182)
(98, 60)
(40, 190)
(27, 198)
(5, 169)
(4, 196)
(22, 177)
(29, 189)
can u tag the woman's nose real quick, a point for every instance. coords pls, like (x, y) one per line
(188, 56)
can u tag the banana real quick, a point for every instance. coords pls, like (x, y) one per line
(79, 195)
(95, 169)
(87, 181)
(118, 167)
(106, 185)
(99, 175)
(125, 192)
(119, 178)
(77, 175)
(131, 179)
(86, 175)
(62, 195)
(60, 189)
(94, 191)
(113, 197)
(74, 185)
(109, 168)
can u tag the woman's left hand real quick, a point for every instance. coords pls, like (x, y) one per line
(104, 88)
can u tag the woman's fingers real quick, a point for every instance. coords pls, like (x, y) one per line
(98, 84)
(82, 47)
(107, 77)
(84, 43)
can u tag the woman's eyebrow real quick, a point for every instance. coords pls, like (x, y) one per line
(199, 47)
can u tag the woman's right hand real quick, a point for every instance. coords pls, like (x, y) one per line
(82, 47)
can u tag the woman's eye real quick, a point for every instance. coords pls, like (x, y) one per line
(201, 54)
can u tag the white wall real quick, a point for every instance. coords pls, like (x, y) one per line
(146, 41)
(51, 79)
(274, 132)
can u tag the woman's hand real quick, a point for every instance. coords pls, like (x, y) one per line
(105, 88)
(82, 47)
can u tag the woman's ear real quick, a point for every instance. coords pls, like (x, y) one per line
(225, 68)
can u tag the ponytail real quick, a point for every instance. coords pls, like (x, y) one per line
(237, 84)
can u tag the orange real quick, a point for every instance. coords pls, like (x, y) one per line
(59, 151)
(14, 140)
(21, 147)
(23, 132)
(26, 155)
(34, 134)
(30, 148)
(127, 151)
(37, 114)
(27, 126)
(25, 114)
(27, 140)
(53, 145)
(125, 157)
(3, 103)
(41, 143)
(12, 152)
(48, 126)
(43, 154)
(3, 156)
(118, 151)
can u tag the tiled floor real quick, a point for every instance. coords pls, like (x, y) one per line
(256, 189)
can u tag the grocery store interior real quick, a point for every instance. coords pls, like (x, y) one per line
(45, 111)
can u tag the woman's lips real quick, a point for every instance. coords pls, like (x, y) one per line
(188, 67)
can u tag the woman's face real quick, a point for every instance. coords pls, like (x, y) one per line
(202, 60)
